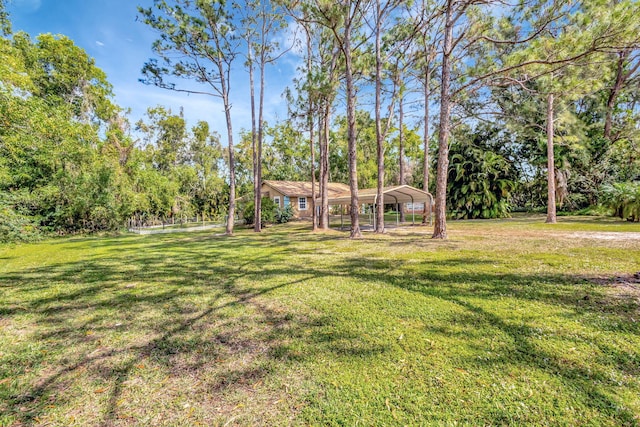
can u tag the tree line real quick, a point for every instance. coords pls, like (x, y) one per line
(535, 102)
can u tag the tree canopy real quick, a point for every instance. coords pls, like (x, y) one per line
(538, 106)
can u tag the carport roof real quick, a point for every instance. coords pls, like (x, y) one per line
(396, 194)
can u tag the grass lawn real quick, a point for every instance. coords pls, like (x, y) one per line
(510, 322)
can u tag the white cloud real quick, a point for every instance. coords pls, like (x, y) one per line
(291, 39)
(99, 43)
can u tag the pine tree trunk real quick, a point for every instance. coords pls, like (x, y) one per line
(440, 225)
(351, 130)
(325, 133)
(324, 168)
(314, 213)
(260, 135)
(310, 122)
(257, 214)
(426, 159)
(379, 137)
(321, 167)
(232, 169)
(224, 89)
(551, 171)
(401, 180)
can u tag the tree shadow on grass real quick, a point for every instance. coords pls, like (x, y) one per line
(201, 314)
(197, 316)
(585, 381)
(592, 384)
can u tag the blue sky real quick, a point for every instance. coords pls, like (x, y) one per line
(109, 32)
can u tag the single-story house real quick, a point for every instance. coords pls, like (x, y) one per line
(297, 194)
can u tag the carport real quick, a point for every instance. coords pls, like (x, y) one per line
(400, 194)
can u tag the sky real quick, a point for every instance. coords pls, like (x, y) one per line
(110, 32)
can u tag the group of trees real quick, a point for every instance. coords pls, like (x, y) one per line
(68, 159)
(60, 147)
(537, 105)
(543, 73)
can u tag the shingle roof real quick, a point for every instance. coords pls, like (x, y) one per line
(303, 188)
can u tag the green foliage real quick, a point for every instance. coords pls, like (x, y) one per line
(201, 33)
(5, 23)
(286, 154)
(15, 225)
(67, 161)
(268, 211)
(57, 171)
(480, 180)
(366, 153)
(623, 198)
(583, 155)
(284, 215)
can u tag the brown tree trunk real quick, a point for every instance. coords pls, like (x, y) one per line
(321, 167)
(224, 91)
(551, 177)
(324, 166)
(232, 166)
(426, 158)
(401, 179)
(325, 135)
(379, 136)
(260, 135)
(351, 130)
(622, 77)
(440, 225)
(314, 213)
(257, 213)
(325, 174)
(310, 122)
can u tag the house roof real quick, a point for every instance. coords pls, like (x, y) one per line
(303, 188)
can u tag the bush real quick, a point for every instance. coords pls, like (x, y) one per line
(268, 212)
(480, 182)
(284, 215)
(623, 198)
(16, 226)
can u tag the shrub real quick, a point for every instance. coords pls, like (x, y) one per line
(480, 182)
(16, 226)
(623, 198)
(268, 213)
(284, 215)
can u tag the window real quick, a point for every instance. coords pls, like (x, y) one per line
(286, 201)
(302, 203)
(276, 200)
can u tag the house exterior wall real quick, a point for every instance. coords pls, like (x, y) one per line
(272, 193)
(303, 213)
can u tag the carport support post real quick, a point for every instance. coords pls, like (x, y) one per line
(373, 215)
(341, 216)
(375, 204)
(413, 211)
(431, 214)
(398, 206)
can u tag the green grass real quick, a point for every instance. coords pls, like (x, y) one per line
(510, 322)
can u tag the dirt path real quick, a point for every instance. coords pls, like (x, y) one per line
(604, 235)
